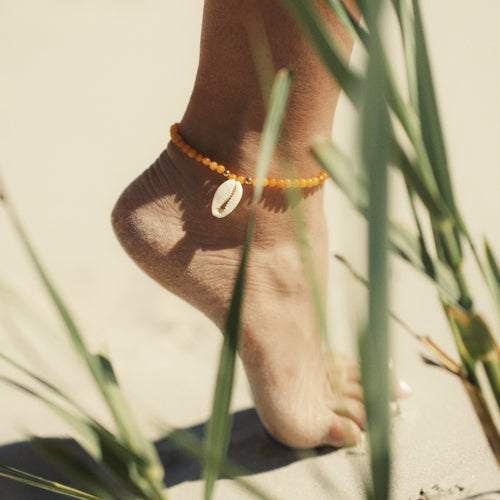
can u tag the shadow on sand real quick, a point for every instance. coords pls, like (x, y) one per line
(250, 447)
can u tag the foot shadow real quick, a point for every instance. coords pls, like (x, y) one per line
(250, 447)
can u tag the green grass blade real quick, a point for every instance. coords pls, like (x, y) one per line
(66, 317)
(406, 25)
(479, 344)
(354, 185)
(272, 127)
(318, 33)
(407, 246)
(427, 191)
(104, 436)
(192, 445)
(45, 383)
(374, 344)
(349, 23)
(88, 438)
(220, 420)
(110, 479)
(44, 484)
(99, 368)
(429, 114)
(150, 469)
(493, 277)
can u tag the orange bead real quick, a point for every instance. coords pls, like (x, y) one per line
(295, 183)
(309, 182)
(192, 153)
(220, 169)
(287, 183)
(272, 182)
(233, 177)
(315, 181)
(206, 161)
(241, 179)
(280, 183)
(199, 157)
(213, 165)
(185, 148)
(265, 182)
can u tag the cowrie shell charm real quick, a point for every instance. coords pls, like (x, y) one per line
(226, 198)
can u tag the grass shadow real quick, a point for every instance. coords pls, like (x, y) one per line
(250, 447)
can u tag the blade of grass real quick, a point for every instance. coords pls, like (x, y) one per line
(406, 25)
(192, 445)
(355, 186)
(492, 274)
(350, 24)
(103, 446)
(429, 115)
(445, 361)
(123, 415)
(99, 370)
(85, 472)
(480, 345)
(44, 484)
(220, 421)
(374, 341)
(87, 437)
(484, 415)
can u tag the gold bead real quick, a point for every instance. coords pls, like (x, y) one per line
(248, 180)
(226, 173)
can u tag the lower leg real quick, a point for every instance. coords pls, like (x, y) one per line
(226, 111)
(163, 220)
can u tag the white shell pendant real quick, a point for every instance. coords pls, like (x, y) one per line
(226, 198)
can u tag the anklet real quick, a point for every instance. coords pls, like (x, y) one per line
(229, 193)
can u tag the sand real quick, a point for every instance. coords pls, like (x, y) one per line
(87, 93)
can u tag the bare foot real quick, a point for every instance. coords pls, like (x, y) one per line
(163, 221)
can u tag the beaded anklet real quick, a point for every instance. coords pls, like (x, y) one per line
(229, 193)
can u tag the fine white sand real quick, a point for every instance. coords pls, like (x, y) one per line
(88, 91)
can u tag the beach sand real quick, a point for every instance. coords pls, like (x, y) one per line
(88, 91)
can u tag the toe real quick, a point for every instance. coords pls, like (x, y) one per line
(352, 409)
(353, 390)
(343, 432)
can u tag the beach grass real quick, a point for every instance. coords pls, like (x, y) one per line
(420, 158)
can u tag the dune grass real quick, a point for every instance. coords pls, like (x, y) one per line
(425, 173)
(129, 458)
